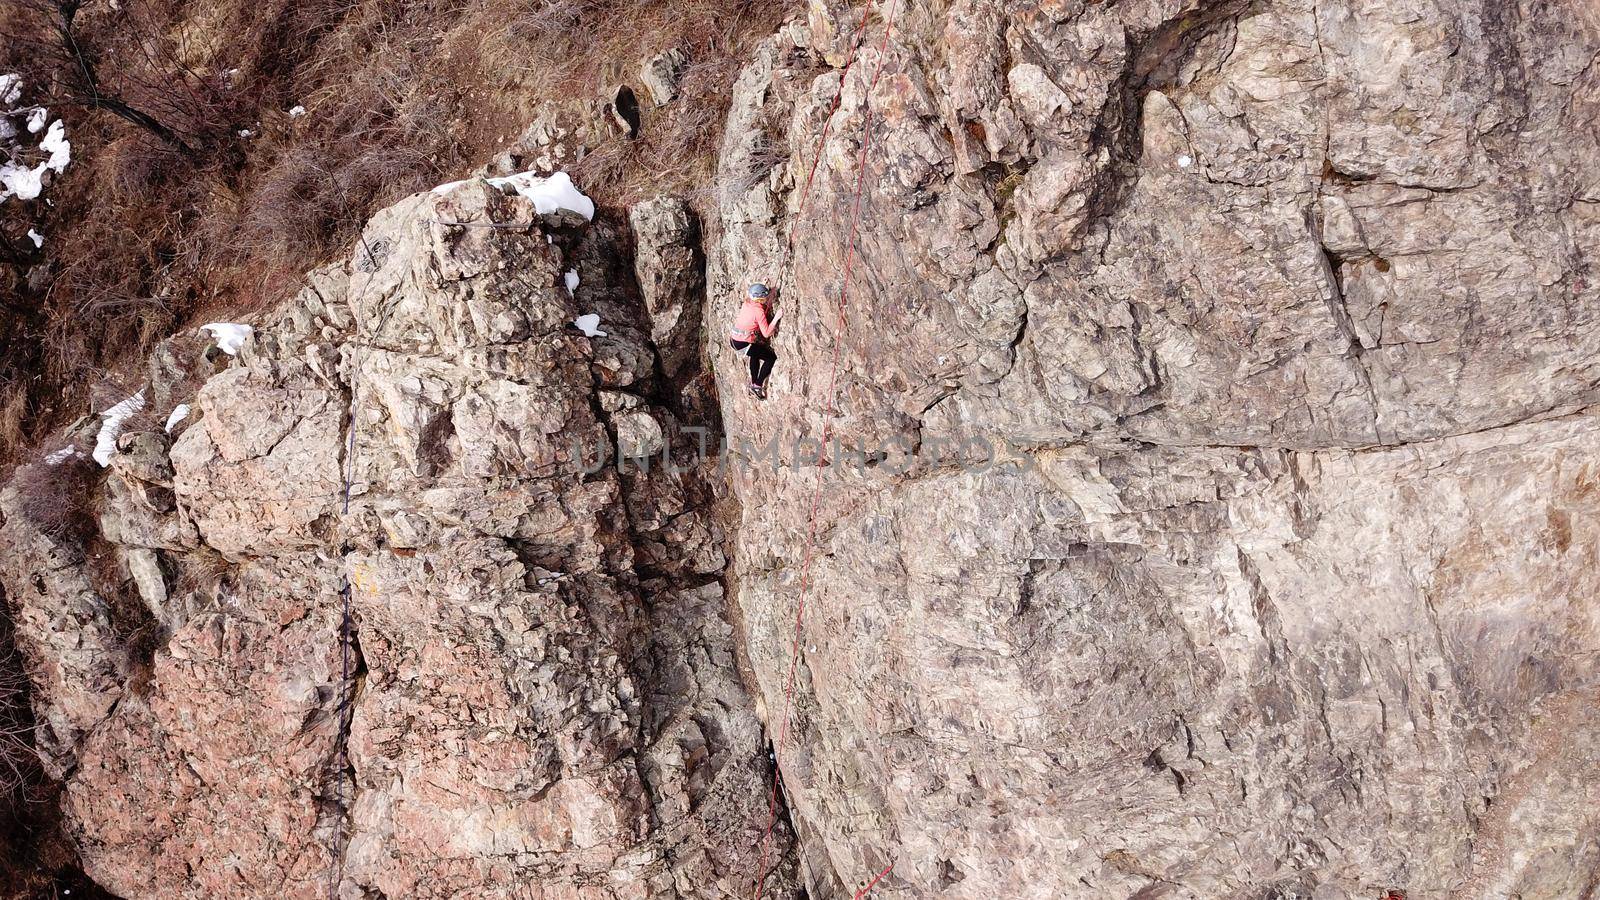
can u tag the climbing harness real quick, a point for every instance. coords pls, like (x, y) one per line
(833, 395)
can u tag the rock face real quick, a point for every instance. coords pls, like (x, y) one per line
(1210, 511)
(1281, 321)
(670, 274)
(540, 675)
(661, 74)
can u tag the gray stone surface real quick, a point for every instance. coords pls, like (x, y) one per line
(668, 265)
(1285, 314)
(661, 74)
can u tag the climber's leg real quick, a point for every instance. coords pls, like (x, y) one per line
(762, 358)
(748, 350)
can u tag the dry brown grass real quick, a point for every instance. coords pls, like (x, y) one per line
(13, 412)
(676, 147)
(200, 573)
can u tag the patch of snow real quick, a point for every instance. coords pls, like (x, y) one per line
(37, 117)
(105, 443)
(10, 89)
(36, 237)
(572, 280)
(229, 335)
(548, 194)
(28, 183)
(589, 324)
(179, 413)
(19, 182)
(56, 144)
(1185, 161)
(297, 111)
(61, 456)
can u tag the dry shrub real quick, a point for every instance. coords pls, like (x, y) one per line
(119, 272)
(147, 420)
(766, 156)
(29, 832)
(374, 132)
(19, 766)
(59, 499)
(291, 205)
(137, 165)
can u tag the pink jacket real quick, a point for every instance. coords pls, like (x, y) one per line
(752, 320)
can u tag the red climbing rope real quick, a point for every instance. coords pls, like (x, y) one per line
(833, 383)
(867, 888)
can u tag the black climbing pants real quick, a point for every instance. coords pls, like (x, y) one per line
(762, 358)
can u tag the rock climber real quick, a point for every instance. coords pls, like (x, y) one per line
(752, 329)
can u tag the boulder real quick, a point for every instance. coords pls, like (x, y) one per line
(661, 73)
(670, 273)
